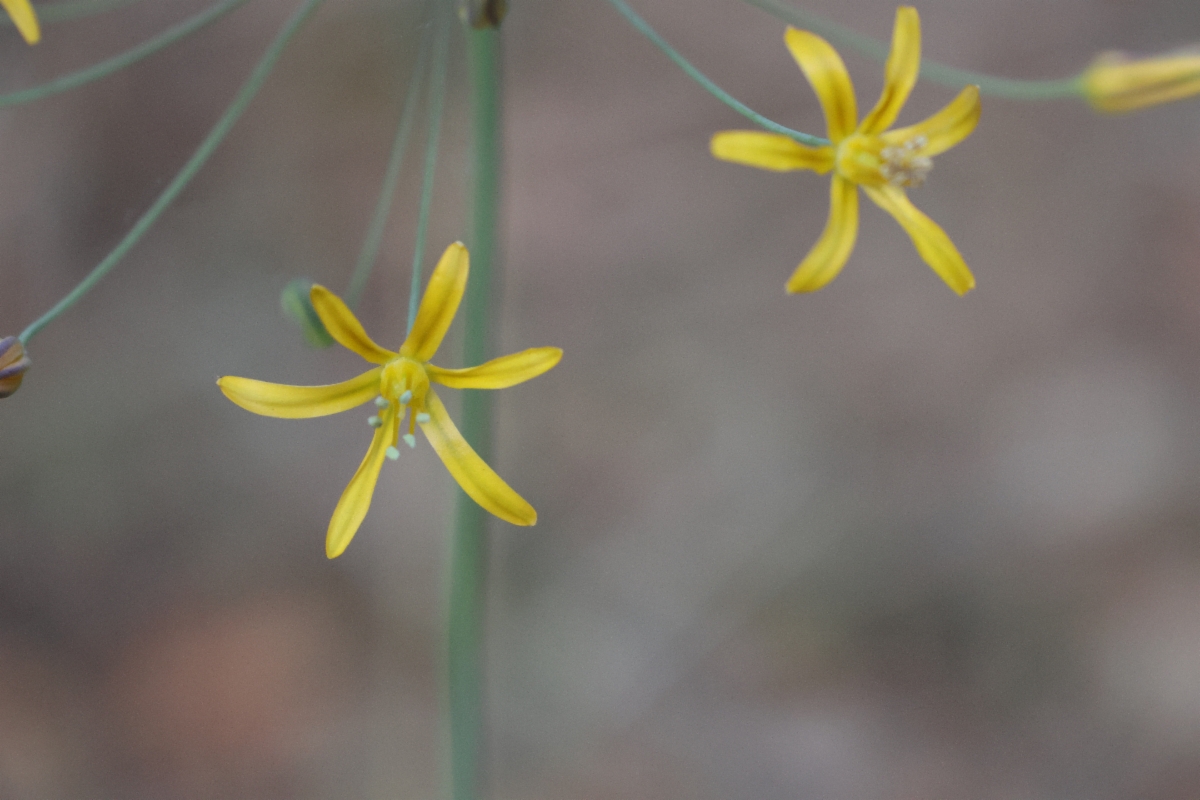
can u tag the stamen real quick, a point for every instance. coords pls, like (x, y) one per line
(422, 418)
(406, 397)
(903, 165)
(381, 401)
(374, 421)
(409, 440)
(392, 453)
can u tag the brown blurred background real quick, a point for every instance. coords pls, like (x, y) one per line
(877, 542)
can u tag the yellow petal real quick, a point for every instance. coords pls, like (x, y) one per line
(344, 327)
(475, 477)
(299, 402)
(438, 304)
(356, 500)
(900, 73)
(930, 240)
(23, 17)
(829, 254)
(825, 71)
(499, 373)
(770, 151)
(944, 129)
(1116, 83)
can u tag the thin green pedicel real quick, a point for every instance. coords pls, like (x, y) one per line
(181, 180)
(700, 78)
(930, 70)
(119, 62)
(371, 242)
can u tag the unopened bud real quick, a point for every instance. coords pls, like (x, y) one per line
(1116, 82)
(299, 309)
(13, 363)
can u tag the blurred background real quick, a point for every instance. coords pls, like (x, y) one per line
(875, 542)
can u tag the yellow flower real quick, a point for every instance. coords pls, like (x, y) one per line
(1115, 82)
(23, 17)
(865, 154)
(400, 384)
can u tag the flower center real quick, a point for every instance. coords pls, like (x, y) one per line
(403, 381)
(904, 165)
(403, 385)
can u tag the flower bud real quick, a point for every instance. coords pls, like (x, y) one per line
(13, 363)
(298, 307)
(1116, 82)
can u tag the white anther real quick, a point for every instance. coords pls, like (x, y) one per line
(374, 422)
(381, 401)
(392, 453)
(406, 397)
(422, 418)
(903, 165)
(409, 440)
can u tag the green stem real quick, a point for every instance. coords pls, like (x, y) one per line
(437, 101)
(700, 78)
(185, 175)
(119, 62)
(371, 242)
(468, 557)
(842, 36)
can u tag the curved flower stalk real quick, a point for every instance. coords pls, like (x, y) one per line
(23, 16)
(402, 384)
(1116, 83)
(865, 154)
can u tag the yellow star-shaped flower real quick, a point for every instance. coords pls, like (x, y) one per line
(865, 154)
(400, 385)
(24, 18)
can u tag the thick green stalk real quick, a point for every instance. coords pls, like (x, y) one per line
(716, 91)
(930, 70)
(185, 175)
(122, 60)
(468, 557)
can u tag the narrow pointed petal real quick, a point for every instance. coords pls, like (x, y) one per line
(475, 477)
(356, 499)
(300, 402)
(770, 151)
(932, 243)
(24, 18)
(499, 373)
(900, 73)
(944, 129)
(827, 73)
(344, 327)
(829, 254)
(439, 304)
